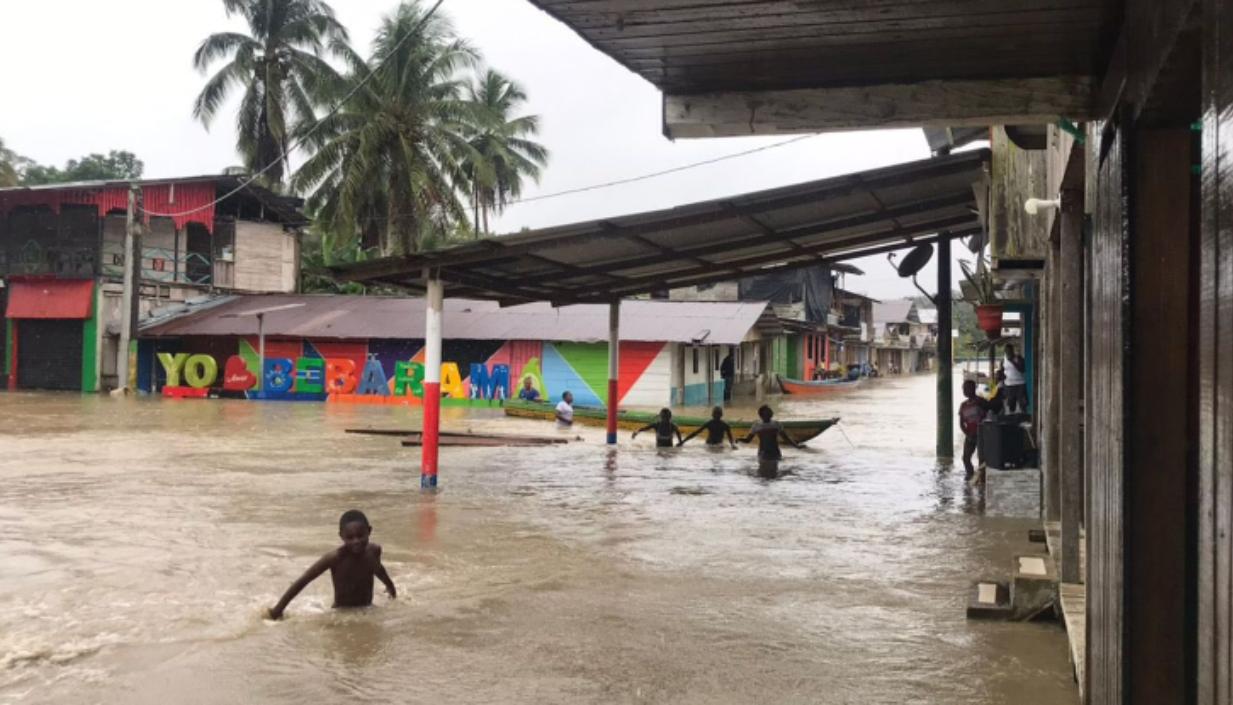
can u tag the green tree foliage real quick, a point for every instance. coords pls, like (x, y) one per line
(503, 150)
(279, 67)
(391, 159)
(116, 165)
(11, 164)
(419, 137)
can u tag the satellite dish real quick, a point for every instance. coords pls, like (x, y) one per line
(915, 260)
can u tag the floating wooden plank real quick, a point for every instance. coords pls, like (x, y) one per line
(456, 434)
(416, 440)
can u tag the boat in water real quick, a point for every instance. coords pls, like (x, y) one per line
(799, 431)
(825, 386)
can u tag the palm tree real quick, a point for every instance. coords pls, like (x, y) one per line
(280, 66)
(390, 159)
(503, 146)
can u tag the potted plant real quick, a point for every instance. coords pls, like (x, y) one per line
(981, 292)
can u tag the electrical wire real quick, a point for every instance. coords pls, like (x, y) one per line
(331, 113)
(629, 180)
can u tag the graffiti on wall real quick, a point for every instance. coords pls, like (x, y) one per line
(475, 373)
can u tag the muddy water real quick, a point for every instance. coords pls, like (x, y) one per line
(140, 539)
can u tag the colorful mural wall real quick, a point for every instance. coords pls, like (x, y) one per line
(391, 371)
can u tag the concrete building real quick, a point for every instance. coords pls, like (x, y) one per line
(62, 265)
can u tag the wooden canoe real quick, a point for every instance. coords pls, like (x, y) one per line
(799, 431)
(800, 386)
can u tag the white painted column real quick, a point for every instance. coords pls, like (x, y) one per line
(614, 366)
(432, 381)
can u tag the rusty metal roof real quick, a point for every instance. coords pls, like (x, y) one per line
(700, 46)
(372, 317)
(818, 222)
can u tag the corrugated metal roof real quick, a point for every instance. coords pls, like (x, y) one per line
(369, 317)
(902, 311)
(819, 222)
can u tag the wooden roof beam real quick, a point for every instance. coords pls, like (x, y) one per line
(938, 103)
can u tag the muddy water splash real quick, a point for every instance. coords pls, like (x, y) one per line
(140, 539)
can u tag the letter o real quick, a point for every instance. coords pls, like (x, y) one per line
(200, 371)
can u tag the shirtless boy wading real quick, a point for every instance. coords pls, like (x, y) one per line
(352, 567)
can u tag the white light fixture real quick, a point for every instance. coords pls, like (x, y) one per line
(1034, 206)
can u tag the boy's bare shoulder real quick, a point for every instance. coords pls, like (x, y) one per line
(374, 550)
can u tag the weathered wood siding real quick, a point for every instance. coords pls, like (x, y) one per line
(1016, 175)
(266, 258)
(1106, 424)
(1215, 446)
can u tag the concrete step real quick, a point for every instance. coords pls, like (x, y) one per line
(1037, 536)
(1033, 585)
(989, 600)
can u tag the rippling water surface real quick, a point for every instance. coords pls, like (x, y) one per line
(140, 539)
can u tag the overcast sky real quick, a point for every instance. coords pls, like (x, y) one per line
(118, 75)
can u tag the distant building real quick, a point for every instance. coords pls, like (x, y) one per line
(806, 329)
(62, 265)
(902, 341)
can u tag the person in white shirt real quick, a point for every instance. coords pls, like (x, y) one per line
(565, 411)
(1016, 384)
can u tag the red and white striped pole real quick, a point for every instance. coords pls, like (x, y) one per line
(432, 382)
(614, 365)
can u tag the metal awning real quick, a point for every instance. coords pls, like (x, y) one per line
(815, 223)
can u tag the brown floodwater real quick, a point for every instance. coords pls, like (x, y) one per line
(140, 540)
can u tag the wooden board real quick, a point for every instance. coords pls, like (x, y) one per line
(455, 434)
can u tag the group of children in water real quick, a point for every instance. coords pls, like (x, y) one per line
(356, 563)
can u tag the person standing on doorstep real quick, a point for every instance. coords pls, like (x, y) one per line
(971, 413)
(727, 371)
(565, 411)
(1015, 367)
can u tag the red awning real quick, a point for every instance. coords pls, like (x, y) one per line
(50, 298)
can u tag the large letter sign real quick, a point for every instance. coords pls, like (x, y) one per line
(172, 364)
(374, 381)
(236, 375)
(408, 379)
(200, 371)
(485, 385)
(340, 376)
(278, 375)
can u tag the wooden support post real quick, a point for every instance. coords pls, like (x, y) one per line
(946, 390)
(1050, 386)
(1069, 323)
(614, 365)
(432, 381)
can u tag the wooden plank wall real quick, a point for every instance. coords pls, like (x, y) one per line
(1106, 422)
(1157, 467)
(1016, 175)
(1215, 446)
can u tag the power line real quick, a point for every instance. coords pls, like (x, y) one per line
(629, 180)
(665, 172)
(331, 113)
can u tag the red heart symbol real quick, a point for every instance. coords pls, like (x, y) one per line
(236, 376)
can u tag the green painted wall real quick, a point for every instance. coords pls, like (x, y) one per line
(794, 346)
(590, 361)
(89, 349)
(8, 345)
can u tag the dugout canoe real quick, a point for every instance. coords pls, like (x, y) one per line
(799, 431)
(802, 387)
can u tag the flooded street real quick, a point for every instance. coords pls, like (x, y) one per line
(141, 539)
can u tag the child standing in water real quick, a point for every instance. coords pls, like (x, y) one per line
(715, 429)
(352, 567)
(664, 430)
(768, 433)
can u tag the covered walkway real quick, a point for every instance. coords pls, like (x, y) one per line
(602, 261)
